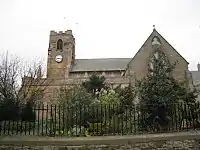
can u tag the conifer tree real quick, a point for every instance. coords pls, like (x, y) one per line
(94, 84)
(159, 91)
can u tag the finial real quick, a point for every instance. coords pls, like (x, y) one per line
(154, 27)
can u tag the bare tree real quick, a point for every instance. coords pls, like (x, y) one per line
(20, 84)
(8, 77)
(33, 83)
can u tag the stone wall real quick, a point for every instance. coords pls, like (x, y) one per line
(164, 145)
(169, 141)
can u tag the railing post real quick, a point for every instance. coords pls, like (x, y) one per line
(55, 127)
(59, 120)
(47, 119)
(63, 120)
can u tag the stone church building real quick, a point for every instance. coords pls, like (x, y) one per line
(64, 69)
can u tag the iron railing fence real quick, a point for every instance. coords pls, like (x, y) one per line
(99, 120)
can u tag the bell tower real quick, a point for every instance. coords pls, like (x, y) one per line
(61, 54)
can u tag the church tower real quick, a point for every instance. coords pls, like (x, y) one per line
(61, 54)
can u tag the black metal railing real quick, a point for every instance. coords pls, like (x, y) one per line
(98, 120)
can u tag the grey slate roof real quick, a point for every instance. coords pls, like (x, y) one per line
(196, 77)
(100, 64)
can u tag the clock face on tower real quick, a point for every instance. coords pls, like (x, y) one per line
(59, 58)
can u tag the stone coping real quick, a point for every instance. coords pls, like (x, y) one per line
(98, 140)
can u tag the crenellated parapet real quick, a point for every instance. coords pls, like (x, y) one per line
(68, 32)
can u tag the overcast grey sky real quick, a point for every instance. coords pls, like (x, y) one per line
(102, 28)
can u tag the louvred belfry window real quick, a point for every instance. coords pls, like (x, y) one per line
(59, 44)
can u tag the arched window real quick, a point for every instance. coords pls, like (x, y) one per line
(59, 44)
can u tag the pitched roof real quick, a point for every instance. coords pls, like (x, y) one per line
(154, 30)
(100, 64)
(107, 64)
(169, 44)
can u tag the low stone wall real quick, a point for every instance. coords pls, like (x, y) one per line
(170, 141)
(167, 145)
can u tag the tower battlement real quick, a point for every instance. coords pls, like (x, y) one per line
(68, 32)
(61, 53)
